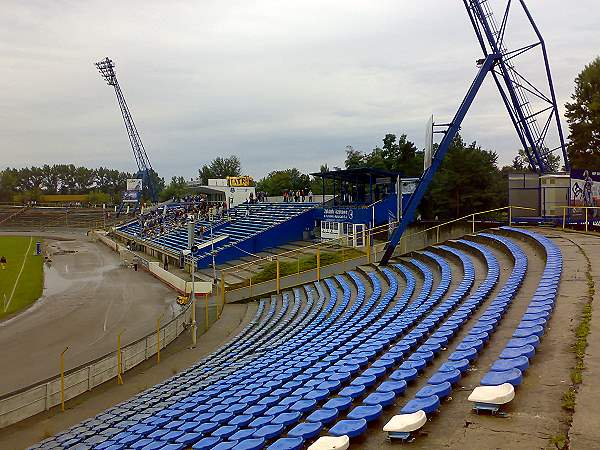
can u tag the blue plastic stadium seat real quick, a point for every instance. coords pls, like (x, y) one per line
(442, 390)
(339, 403)
(428, 404)
(493, 378)
(250, 444)
(367, 412)
(380, 398)
(289, 443)
(446, 376)
(519, 362)
(515, 352)
(350, 428)
(306, 430)
(406, 375)
(244, 433)
(206, 443)
(353, 391)
(323, 415)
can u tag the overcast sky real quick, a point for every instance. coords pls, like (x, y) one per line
(279, 83)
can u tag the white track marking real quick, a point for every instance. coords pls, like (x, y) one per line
(19, 276)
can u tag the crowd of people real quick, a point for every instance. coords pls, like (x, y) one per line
(297, 196)
(156, 222)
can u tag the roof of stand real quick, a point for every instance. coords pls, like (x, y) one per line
(361, 175)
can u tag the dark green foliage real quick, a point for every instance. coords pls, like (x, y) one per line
(280, 180)
(583, 116)
(221, 168)
(468, 181)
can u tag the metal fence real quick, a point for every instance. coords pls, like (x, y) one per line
(42, 396)
(242, 278)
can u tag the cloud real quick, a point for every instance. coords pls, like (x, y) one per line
(279, 83)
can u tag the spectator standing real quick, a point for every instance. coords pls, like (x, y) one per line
(310, 196)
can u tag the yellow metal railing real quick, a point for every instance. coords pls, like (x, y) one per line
(585, 208)
(372, 248)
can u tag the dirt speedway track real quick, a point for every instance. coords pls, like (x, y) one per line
(88, 299)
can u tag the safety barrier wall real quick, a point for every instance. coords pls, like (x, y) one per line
(32, 400)
(177, 283)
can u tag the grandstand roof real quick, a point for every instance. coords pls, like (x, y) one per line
(362, 175)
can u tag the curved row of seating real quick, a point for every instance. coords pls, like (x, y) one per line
(317, 364)
(414, 414)
(497, 385)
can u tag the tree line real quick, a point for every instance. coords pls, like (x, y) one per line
(469, 178)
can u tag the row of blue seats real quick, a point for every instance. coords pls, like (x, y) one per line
(526, 336)
(241, 379)
(370, 341)
(371, 408)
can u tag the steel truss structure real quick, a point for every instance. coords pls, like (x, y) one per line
(525, 101)
(106, 68)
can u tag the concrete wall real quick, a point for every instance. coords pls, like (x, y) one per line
(30, 401)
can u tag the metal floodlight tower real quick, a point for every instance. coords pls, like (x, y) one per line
(106, 68)
(525, 101)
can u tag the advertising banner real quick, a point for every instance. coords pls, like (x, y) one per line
(585, 187)
(134, 184)
(131, 196)
(244, 181)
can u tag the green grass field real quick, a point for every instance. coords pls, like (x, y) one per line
(20, 253)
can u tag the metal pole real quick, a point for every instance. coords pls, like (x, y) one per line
(437, 234)
(277, 279)
(212, 251)
(206, 311)
(368, 246)
(473, 223)
(119, 362)
(399, 198)
(318, 263)
(564, 217)
(193, 297)
(222, 294)
(510, 216)
(158, 340)
(62, 379)
(586, 218)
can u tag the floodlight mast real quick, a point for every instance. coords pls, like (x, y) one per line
(515, 90)
(106, 69)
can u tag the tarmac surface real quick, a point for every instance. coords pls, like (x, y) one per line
(88, 299)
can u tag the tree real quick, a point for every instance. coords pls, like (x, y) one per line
(468, 181)
(521, 161)
(583, 117)
(176, 188)
(283, 180)
(221, 168)
(396, 155)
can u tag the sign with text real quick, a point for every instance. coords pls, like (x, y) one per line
(337, 214)
(245, 181)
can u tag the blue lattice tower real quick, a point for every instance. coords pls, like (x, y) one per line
(531, 105)
(106, 68)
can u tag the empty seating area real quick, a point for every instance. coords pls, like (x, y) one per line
(320, 365)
